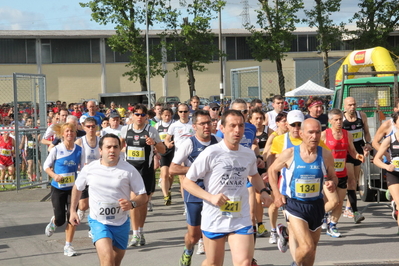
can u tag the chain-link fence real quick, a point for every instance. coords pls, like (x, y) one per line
(23, 121)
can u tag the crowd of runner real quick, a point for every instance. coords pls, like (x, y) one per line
(302, 161)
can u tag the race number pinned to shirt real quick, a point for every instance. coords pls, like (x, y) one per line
(307, 188)
(162, 135)
(31, 144)
(108, 211)
(357, 134)
(135, 153)
(232, 207)
(68, 180)
(339, 165)
(5, 152)
(395, 162)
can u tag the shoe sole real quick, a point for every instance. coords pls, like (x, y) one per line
(334, 236)
(359, 220)
(394, 211)
(281, 238)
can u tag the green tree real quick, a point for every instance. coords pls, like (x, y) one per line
(375, 20)
(193, 42)
(277, 21)
(128, 15)
(328, 33)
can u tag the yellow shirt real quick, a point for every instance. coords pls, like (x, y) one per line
(121, 111)
(278, 143)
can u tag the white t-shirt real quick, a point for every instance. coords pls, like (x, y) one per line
(225, 171)
(116, 131)
(106, 186)
(272, 119)
(181, 156)
(49, 132)
(180, 132)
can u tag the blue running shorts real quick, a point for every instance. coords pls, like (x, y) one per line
(118, 234)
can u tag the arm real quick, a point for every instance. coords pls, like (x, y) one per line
(75, 197)
(331, 180)
(168, 143)
(382, 131)
(268, 145)
(380, 152)
(259, 185)
(367, 136)
(160, 147)
(176, 169)
(217, 200)
(352, 151)
(45, 142)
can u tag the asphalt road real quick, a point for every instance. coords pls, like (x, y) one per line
(24, 217)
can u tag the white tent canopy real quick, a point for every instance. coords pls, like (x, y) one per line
(309, 89)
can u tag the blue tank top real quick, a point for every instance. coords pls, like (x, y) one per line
(304, 181)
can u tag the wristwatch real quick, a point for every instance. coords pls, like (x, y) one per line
(133, 204)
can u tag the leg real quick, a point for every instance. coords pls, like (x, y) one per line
(336, 212)
(215, 251)
(352, 182)
(306, 240)
(164, 175)
(192, 236)
(242, 249)
(30, 170)
(105, 251)
(394, 190)
(11, 171)
(331, 200)
(118, 255)
(84, 204)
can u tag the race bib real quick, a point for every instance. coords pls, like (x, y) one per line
(307, 188)
(5, 152)
(163, 135)
(108, 211)
(339, 165)
(357, 134)
(31, 144)
(68, 180)
(261, 151)
(232, 207)
(395, 162)
(135, 154)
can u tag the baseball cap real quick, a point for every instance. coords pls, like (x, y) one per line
(295, 116)
(82, 119)
(115, 115)
(214, 105)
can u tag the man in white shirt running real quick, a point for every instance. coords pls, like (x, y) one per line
(111, 181)
(226, 210)
(278, 106)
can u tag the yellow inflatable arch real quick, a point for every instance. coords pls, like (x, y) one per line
(378, 57)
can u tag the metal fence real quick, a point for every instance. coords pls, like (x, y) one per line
(25, 96)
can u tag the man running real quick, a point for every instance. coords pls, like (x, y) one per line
(226, 210)
(187, 153)
(305, 168)
(278, 106)
(111, 181)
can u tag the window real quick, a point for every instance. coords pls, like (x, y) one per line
(17, 51)
(243, 51)
(70, 51)
(302, 43)
(371, 96)
(231, 48)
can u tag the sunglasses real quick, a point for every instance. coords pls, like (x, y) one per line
(244, 111)
(183, 112)
(215, 109)
(91, 126)
(298, 124)
(142, 115)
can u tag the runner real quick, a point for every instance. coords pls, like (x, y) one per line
(278, 106)
(92, 112)
(29, 143)
(61, 165)
(141, 139)
(49, 135)
(392, 175)
(166, 158)
(355, 123)
(114, 127)
(226, 210)
(188, 152)
(111, 181)
(315, 108)
(340, 144)
(304, 169)
(7, 153)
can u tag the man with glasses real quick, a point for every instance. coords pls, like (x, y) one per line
(187, 153)
(141, 139)
(278, 106)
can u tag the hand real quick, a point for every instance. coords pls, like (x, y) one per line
(330, 185)
(57, 178)
(125, 204)
(218, 200)
(260, 163)
(74, 218)
(171, 144)
(279, 200)
(360, 157)
(265, 177)
(367, 147)
(266, 200)
(149, 141)
(390, 168)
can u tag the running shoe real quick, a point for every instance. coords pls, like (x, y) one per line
(149, 207)
(167, 200)
(262, 231)
(394, 211)
(135, 241)
(50, 228)
(348, 213)
(282, 241)
(89, 234)
(358, 217)
(185, 259)
(81, 214)
(388, 195)
(273, 237)
(69, 251)
(142, 240)
(254, 262)
(333, 231)
(201, 248)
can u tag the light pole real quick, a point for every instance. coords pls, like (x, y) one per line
(148, 56)
(221, 55)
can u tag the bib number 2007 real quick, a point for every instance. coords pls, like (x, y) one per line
(109, 211)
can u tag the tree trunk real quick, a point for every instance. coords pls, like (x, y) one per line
(143, 83)
(281, 78)
(326, 75)
(191, 80)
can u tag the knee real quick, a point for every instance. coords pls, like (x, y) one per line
(59, 222)
(309, 249)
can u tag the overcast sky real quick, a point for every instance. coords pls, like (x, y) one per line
(68, 15)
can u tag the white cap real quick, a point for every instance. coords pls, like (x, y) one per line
(82, 119)
(295, 116)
